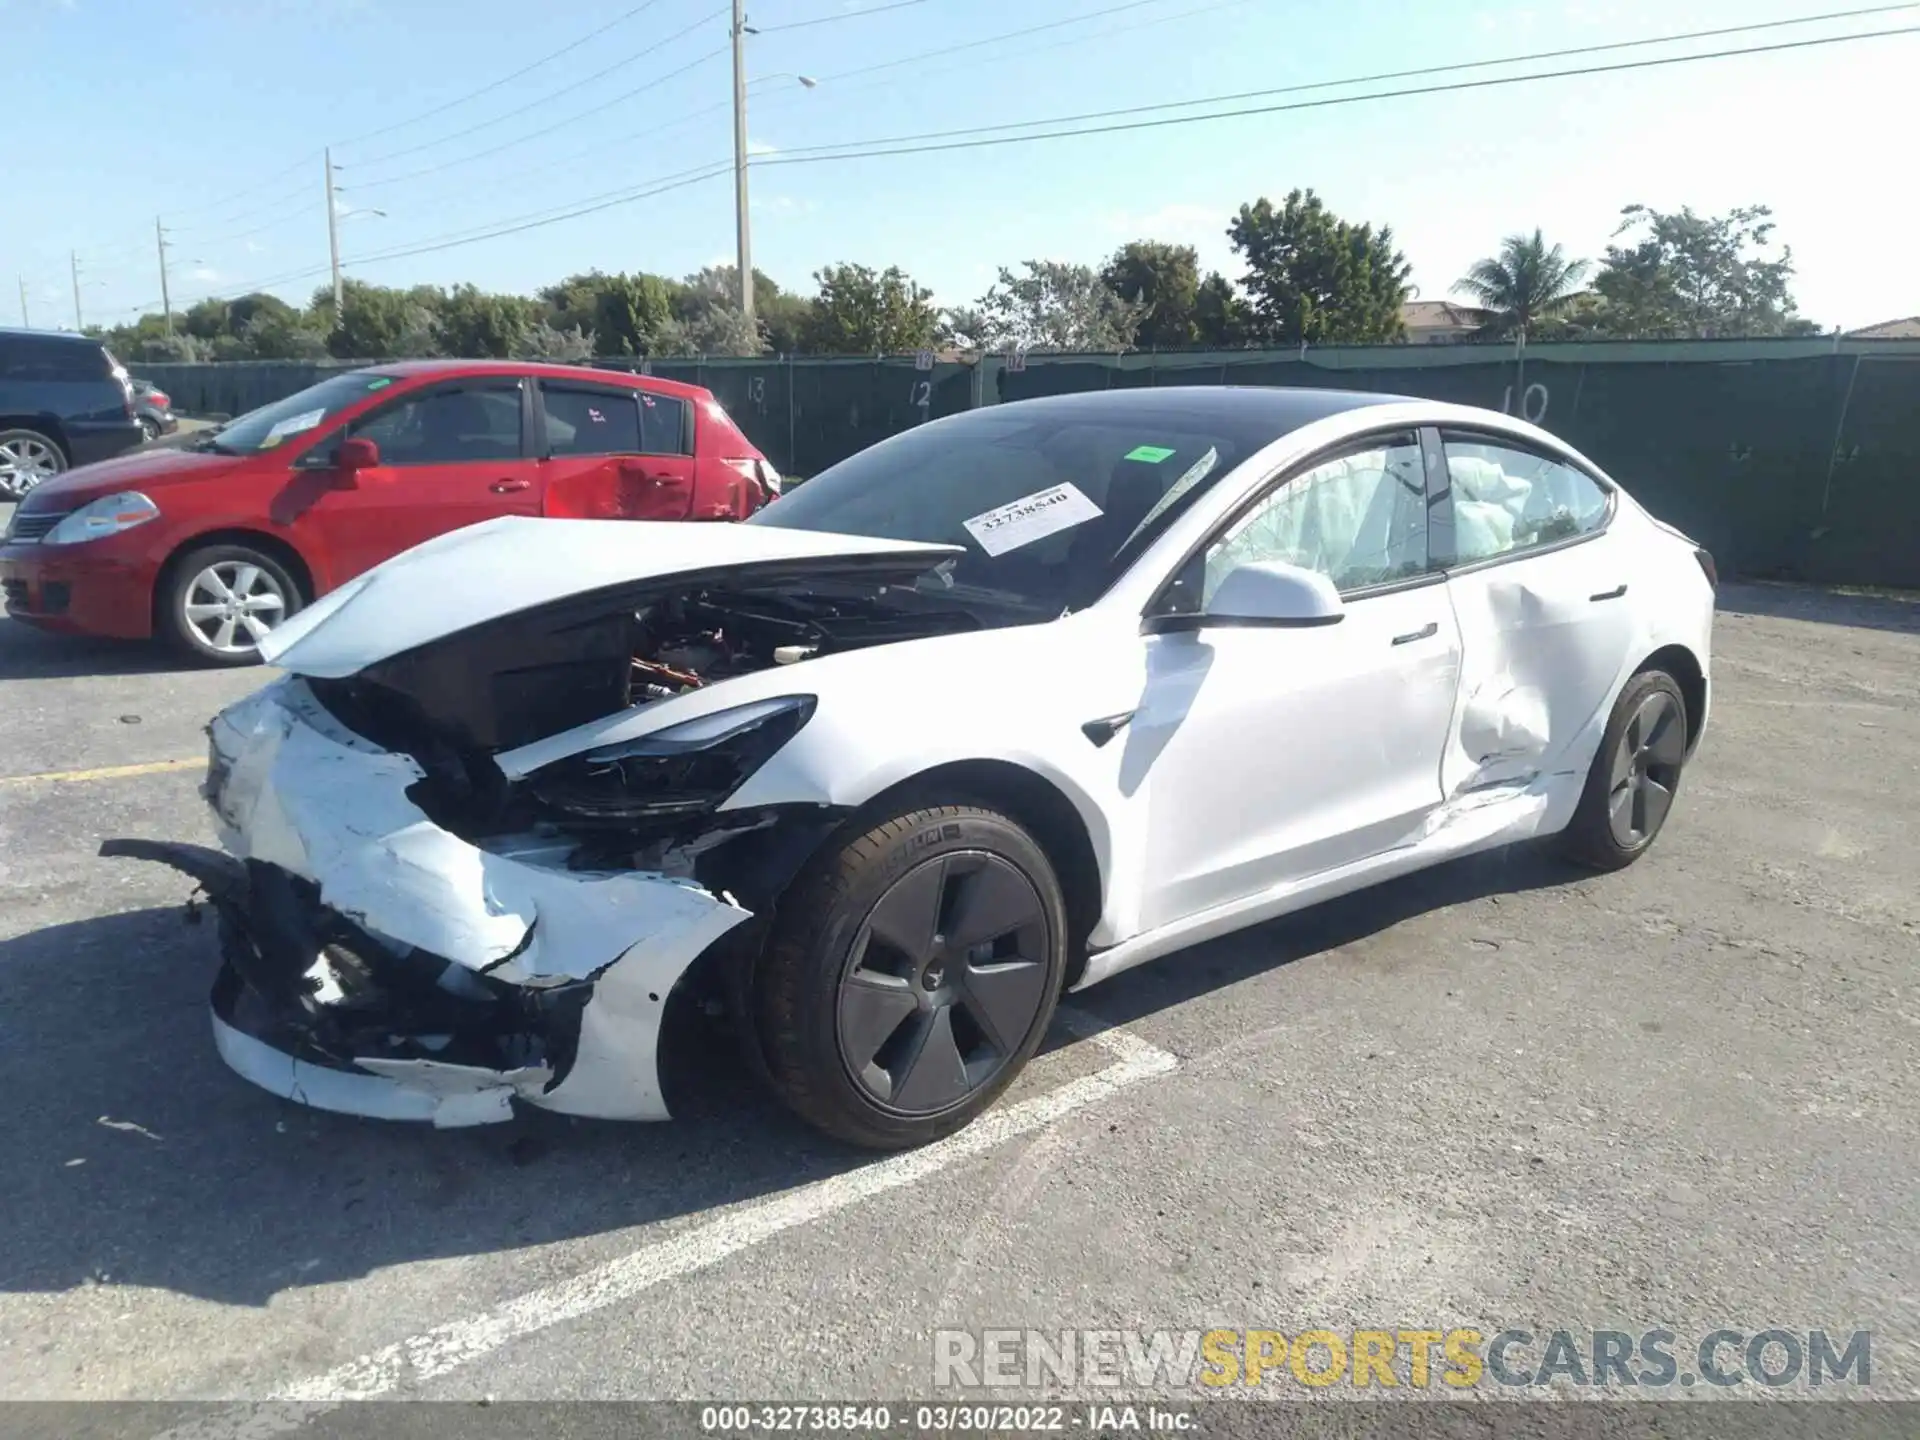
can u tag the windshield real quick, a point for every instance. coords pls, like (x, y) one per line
(1050, 505)
(274, 425)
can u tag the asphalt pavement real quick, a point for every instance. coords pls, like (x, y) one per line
(1502, 1094)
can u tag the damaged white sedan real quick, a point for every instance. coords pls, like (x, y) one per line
(995, 709)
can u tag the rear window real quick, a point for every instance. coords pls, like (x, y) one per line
(53, 357)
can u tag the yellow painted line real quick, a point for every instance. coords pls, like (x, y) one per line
(107, 772)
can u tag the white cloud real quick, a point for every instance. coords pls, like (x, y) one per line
(254, 247)
(761, 147)
(206, 272)
(783, 205)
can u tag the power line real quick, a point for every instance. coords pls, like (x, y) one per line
(544, 100)
(835, 19)
(898, 145)
(711, 173)
(533, 135)
(1375, 79)
(491, 86)
(1080, 19)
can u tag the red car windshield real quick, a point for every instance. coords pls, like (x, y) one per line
(272, 426)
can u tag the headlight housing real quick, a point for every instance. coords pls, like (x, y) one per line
(109, 515)
(685, 769)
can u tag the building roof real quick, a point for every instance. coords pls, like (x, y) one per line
(1905, 329)
(1430, 314)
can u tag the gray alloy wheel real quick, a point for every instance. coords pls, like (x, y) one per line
(1634, 776)
(27, 458)
(910, 972)
(149, 428)
(1646, 770)
(943, 983)
(231, 605)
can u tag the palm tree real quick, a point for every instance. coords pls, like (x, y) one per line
(1526, 284)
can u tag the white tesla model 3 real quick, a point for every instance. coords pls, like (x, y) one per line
(997, 708)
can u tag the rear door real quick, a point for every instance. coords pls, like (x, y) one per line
(451, 454)
(1541, 591)
(614, 452)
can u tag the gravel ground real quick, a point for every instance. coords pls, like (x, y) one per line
(1500, 1094)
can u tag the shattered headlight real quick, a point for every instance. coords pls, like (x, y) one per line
(681, 770)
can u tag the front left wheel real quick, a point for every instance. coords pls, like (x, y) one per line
(911, 974)
(219, 602)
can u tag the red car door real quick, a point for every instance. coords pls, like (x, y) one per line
(614, 452)
(451, 454)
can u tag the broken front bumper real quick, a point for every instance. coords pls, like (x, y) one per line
(377, 964)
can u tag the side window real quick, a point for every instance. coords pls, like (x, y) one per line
(1359, 519)
(1507, 499)
(663, 425)
(447, 426)
(591, 422)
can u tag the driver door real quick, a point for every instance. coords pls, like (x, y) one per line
(1283, 753)
(451, 454)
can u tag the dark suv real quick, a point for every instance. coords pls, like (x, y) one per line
(64, 401)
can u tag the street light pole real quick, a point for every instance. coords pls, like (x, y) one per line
(742, 227)
(333, 242)
(166, 301)
(26, 323)
(74, 257)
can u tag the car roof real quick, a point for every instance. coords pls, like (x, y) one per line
(1279, 409)
(542, 368)
(61, 337)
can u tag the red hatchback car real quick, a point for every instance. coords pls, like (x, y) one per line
(213, 543)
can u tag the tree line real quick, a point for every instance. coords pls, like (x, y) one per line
(1308, 277)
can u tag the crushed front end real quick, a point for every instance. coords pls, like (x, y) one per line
(377, 963)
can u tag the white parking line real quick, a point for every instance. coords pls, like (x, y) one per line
(447, 1347)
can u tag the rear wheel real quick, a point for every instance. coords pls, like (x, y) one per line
(149, 428)
(1635, 776)
(911, 974)
(27, 458)
(221, 601)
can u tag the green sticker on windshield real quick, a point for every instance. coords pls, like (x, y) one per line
(1152, 454)
(379, 383)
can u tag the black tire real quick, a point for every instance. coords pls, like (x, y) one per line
(1641, 755)
(829, 978)
(177, 589)
(149, 429)
(19, 447)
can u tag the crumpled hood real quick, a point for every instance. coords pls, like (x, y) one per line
(505, 567)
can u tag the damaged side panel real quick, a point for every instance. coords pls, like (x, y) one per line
(1542, 659)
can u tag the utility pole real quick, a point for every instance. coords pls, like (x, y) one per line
(166, 301)
(333, 242)
(74, 257)
(26, 322)
(742, 227)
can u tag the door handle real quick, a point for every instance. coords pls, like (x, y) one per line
(507, 487)
(1426, 632)
(1613, 594)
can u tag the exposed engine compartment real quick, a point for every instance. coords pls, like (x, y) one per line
(454, 704)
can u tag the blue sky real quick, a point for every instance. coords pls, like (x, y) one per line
(212, 114)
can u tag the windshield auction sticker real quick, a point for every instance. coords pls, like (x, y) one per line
(1030, 518)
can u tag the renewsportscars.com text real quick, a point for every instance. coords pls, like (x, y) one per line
(1404, 1357)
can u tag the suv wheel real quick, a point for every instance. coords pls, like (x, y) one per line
(218, 603)
(26, 458)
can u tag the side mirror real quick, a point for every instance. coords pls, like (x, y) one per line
(1267, 593)
(352, 456)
